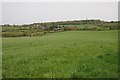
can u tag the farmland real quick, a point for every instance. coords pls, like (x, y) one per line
(40, 29)
(68, 54)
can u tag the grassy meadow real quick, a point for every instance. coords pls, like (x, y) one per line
(69, 54)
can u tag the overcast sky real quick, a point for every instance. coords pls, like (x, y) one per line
(33, 12)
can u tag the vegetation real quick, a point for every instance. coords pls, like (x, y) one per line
(75, 49)
(38, 29)
(70, 54)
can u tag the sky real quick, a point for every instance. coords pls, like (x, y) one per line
(34, 12)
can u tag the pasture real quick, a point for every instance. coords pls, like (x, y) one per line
(69, 54)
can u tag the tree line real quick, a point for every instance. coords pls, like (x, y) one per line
(39, 29)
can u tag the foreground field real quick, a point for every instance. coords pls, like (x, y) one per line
(62, 55)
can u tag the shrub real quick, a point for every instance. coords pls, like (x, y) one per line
(37, 34)
(12, 34)
(70, 28)
(99, 28)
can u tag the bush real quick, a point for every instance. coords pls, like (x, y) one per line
(70, 28)
(99, 29)
(37, 34)
(12, 34)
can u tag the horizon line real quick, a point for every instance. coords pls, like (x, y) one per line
(57, 21)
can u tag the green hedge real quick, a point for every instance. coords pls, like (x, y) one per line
(12, 34)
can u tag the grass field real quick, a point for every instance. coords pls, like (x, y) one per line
(82, 54)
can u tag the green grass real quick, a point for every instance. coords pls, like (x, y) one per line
(72, 54)
(88, 27)
(82, 25)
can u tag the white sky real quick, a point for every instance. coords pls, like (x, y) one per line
(59, 0)
(32, 12)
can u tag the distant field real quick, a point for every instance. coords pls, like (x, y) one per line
(88, 27)
(71, 54)
(81, 26)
